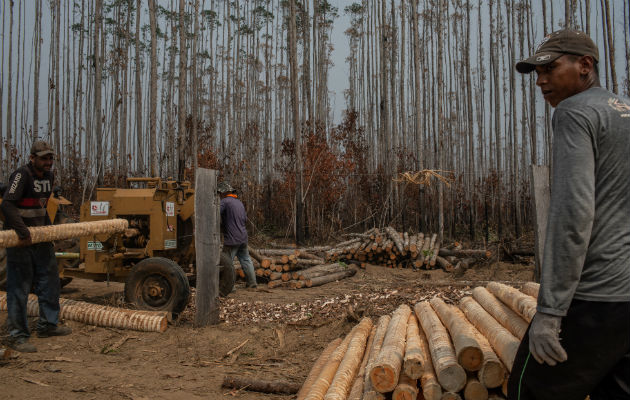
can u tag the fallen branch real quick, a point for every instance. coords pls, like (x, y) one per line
(255, 385)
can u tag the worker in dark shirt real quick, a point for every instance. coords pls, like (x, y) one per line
(31, 265)
(233, 220)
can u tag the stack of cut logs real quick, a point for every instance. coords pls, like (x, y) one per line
(436, 351)
(400, 249)
(297, 268)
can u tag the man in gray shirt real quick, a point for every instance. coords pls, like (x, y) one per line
(580, 335)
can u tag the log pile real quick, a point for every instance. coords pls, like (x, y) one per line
(403, 250)
(433, 351)
(296, 268)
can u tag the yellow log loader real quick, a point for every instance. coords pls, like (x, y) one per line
(155, 256)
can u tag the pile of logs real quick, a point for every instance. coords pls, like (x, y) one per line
(437, 350)
(402, 250)
(297, 268)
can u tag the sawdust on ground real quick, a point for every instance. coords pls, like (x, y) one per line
(282, 332)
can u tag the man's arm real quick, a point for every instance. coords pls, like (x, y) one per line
(571, 211)
(9, 205)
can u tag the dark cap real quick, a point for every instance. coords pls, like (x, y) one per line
(224, 187)
(41, 148)
(557, 44)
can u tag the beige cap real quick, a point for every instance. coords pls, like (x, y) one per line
(41, 148)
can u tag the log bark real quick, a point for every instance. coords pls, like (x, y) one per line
(531, 289)
(281, 283)
(431, 389)
(356, 393)
(322, 280)
(277, 252)
(465, 253)
(467, 349)
(519, 302)
(39, 234)
(501, 312)
(395, 237)
(407, 388)
(492, 372)
(444, 264)
(254, 253)
(475, 390)
(317, 368)
(379, 336)
(255, 385)
(320, 386)
(320, 270)
(349, 366)
(449, 373)
(385, 372)
(503, 342)
(414, 358)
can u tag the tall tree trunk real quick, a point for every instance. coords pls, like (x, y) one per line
(611, 46)
(181, 102)
(299, 211)
(195, 83)
(8, 140)
(138, 86)
(153, 91)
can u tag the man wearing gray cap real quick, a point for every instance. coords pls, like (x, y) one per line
(578, 343)
(31, 265)
(233, 220)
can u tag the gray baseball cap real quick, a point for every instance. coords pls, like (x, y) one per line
(41, 148)
(556, 44)
(224, 187)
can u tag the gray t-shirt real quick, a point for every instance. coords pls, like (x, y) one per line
(233, 221)
(587, 247)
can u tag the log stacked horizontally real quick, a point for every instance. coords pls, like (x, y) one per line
(434, 351)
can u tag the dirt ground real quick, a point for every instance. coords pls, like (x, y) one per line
(282, 332)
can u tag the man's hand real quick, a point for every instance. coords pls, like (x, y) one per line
(544, 341)
(24, 242)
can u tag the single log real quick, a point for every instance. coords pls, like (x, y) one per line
(431, 389)
(465, 253)
(322, 280)
(391, 232)
(275, 276)
(255, 385)
(39, 234)
(475, 390)
(450, 396)
(306, 255)
(449, 373)
(407, 388)
(405, 241)
(379, 336)
(317, 368)
(254, 253)
(277, 252)
(349, 366)
(434, 253)
(356, 393)
(385, 372)
(266, 262)
(492, 372)
(503, 342)
(518, 301)
(95, 314)
(309, 261)
(444, 264)
(280, 283)
(531, 289)
(501, 312)
(414, 359)
(320, 386)
(467, 349)
(320, 270)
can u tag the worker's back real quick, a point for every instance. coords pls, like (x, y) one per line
(233, 221)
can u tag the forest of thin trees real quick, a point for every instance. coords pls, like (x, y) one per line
(158, 87)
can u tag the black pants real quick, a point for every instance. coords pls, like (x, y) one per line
(596, 337)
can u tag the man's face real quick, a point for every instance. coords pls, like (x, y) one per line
(42, 164)
(560, 79)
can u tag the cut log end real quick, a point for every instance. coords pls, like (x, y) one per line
(383, 378)
(492, 374)
(452, 378)
(471, 358)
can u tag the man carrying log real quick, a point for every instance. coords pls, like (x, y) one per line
(31, 265)
(233, 220)
(579, 338)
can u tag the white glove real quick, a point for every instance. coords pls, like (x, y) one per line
(544, 340)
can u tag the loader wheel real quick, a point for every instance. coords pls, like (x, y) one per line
(158, 284)
(227, 275)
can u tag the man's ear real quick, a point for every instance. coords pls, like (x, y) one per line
(587, 65)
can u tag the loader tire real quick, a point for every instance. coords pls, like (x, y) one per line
(158, 284)
(227, 275)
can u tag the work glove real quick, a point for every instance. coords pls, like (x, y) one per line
(544, 340)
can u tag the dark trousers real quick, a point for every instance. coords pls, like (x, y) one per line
(596, 337)
(32, 267)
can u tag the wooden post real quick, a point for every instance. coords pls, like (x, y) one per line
(540, 203)
(207, 247)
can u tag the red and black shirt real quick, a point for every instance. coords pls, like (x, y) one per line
(25, 199)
